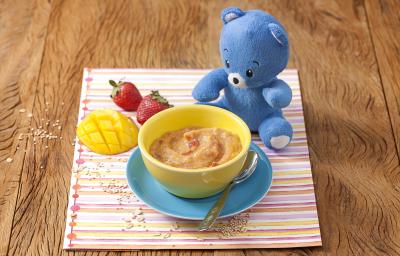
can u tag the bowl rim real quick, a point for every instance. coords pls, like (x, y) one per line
(147, 155)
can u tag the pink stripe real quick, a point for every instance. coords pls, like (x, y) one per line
(157, 218)
(294, 166)
(268, 205)
(288, 198)
(270, 153)
(189, 231)
(292, 186)
(285, 156)
(273, 187)
(124, 71)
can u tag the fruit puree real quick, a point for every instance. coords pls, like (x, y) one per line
(196, 147)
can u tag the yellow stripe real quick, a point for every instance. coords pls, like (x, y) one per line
(295, 143)
(298, 181)
(286, 173)
(134, 235)
(299, 134)
(103, 193)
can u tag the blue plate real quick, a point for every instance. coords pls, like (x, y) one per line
(242, 196)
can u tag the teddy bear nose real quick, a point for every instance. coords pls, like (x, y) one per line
(236, 80)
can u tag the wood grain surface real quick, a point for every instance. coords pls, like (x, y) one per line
(347, 53)
(384, 24)
(23, 27)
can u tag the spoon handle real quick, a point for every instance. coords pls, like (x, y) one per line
(213, 213)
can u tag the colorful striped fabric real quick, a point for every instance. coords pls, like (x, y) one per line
(101, 205)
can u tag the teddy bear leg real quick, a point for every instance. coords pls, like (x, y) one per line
(220, 103)
(276, 132)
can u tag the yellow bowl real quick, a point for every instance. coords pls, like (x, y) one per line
(193, 183)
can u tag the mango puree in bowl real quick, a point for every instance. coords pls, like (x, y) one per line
(193, 182)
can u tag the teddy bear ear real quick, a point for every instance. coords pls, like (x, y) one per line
(278, 33)
(231, 13)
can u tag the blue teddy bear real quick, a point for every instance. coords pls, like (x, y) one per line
(255, 49)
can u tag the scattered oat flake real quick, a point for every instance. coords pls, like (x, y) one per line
(30, 115)
(237, 224)
(157, 234)
(167, 235)
(9, 160)
(140, 218)
(22, 110)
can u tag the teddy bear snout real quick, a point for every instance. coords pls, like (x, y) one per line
(236, 80)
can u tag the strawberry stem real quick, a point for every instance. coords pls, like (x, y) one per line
(116, 87)
(115, 91)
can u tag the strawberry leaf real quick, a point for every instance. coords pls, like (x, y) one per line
(155, 95)
(113, 83)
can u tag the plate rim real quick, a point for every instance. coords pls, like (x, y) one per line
(263, 158)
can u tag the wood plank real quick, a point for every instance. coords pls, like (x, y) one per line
(91, 34)
(22, 36)
(384, 22)
(353, 154)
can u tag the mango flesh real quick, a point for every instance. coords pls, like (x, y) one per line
(107, 132)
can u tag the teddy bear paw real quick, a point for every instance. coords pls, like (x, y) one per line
(280, 142)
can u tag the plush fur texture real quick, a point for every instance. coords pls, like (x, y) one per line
(254, 48)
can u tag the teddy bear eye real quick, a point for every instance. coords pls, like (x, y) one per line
(227, 63)
(249, 73)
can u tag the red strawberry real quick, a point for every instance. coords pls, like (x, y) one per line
(151, 105)
(125, 95)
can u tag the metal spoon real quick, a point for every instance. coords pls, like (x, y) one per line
(247, 170)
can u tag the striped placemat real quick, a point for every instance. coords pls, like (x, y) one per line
(102, 209)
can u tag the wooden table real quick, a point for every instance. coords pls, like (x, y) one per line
(348, 56)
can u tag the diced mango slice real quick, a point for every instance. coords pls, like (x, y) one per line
(107, 132)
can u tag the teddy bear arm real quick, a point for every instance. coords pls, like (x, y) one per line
(208, 88)
(278, 94)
